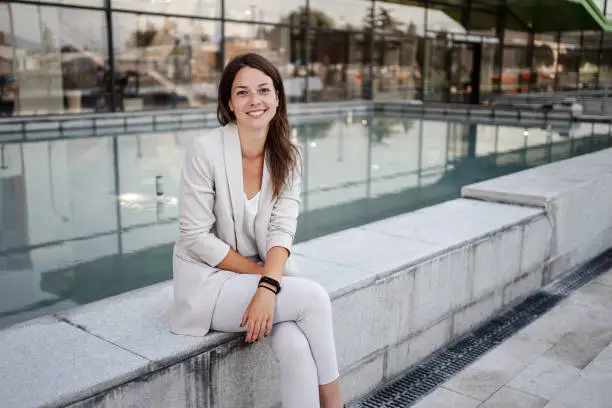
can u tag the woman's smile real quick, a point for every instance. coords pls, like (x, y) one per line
(257, 113)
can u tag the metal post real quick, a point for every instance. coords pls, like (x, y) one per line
(530, 55)
(2, 158)
(425, 70)
(556, 83)
(599, 60)
(420, 158)
(117, 194)
(306, 30)
(369, 95)
(221, 63)
(111, 53)
(14, 51)
(306, 164)
(369, 129)
(465, 15)
(580, 59)
(500, 32)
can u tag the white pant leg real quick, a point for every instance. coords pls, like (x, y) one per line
(298, 371)
(302, 301)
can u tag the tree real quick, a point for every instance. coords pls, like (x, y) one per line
(386, 23)
(412, 29)
(316, 18)
(296, 18)
(143, 38)
(48, 39)
(543, 56)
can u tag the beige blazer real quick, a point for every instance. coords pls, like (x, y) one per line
(211, 210)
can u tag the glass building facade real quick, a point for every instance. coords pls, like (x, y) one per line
(75, 56)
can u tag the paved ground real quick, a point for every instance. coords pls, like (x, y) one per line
(562, 360)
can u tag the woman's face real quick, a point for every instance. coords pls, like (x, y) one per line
(253, 99)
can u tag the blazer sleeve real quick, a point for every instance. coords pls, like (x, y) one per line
(283, 220)
(196, 203)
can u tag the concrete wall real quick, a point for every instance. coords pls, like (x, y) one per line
(577, 197)
(404, 287)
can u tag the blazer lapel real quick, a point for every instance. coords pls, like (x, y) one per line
(263, 211)
(265, 197)
(233, 168)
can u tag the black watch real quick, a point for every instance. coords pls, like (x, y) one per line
(271, 281)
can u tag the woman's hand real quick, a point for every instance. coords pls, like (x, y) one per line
(259, 315)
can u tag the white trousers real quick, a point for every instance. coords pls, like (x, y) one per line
(302, 337)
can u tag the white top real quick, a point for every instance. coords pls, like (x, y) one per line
(248, 225)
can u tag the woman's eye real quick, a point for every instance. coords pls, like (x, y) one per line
(241, 93)
(264, 91)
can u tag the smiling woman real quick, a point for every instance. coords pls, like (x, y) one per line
(239, 201)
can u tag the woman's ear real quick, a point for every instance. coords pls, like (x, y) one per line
(230, 106)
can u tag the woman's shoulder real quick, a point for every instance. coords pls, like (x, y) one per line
(209, 137)
(208, 143)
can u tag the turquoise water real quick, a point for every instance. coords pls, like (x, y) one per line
(80, 219)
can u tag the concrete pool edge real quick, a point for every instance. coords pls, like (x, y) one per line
(405, 287)
(21, 129)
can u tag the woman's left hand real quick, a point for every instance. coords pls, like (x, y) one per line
(259, 315)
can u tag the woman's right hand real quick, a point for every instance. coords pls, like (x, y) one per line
(259, 315)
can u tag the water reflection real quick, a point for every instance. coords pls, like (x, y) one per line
(83, 219)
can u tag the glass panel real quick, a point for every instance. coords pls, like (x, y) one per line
(445, 19)
(569, 62)
(589, 69)
(436, 69)
(592, 39)
(50, 64)
(462, 65)
(605, 75)
(142, 160)
(397, 73)
(397, 18)
(434, 150)
(336, 69)
(399, 50)
(544, 61)
(348, 14)
(515, 67)
(165, 61)
(482, 22)
(281, 45)
(395, 155)
(487, 71)
(203, 8)
(334, 154)
(268, 11)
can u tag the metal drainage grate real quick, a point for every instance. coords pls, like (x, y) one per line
(447, 362)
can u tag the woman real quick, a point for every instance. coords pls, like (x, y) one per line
(238, 208)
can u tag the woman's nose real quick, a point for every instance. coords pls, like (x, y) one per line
(254, 100)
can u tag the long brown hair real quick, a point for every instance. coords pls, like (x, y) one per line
(281, 154)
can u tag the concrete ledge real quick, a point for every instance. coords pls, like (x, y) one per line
(401, 288)
(411, 285)
(577, 197)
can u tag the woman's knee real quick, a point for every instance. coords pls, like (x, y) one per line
(317, 296)
(289, 343)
